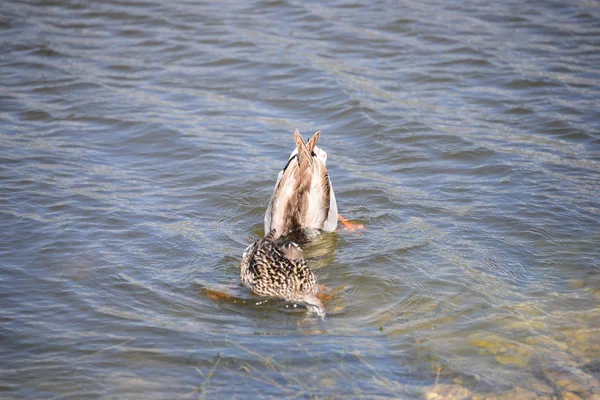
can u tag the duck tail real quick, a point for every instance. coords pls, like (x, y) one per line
(304, 154)
(292, 250)
(313, 142)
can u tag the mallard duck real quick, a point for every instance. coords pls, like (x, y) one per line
(270, 270)
(303, 198)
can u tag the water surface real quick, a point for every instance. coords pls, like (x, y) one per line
(140, 142)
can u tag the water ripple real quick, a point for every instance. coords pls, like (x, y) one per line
(140, 143)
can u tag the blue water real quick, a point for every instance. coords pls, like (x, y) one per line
(139, 145)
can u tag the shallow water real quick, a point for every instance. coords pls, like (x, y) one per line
(139, 144)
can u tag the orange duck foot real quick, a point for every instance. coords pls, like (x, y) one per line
(349, 225)
(323, 295)
(327, 297)
(216, 295)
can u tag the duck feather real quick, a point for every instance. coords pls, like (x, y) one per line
(303, 197)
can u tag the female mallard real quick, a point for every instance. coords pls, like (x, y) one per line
(269, 270)
(303, 199)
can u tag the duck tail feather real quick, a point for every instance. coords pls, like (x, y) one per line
(313, 142)
(304, 155)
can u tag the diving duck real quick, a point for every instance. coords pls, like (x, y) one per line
(270, 270)
(303, 198)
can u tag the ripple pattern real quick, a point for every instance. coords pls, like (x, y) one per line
(140, 141)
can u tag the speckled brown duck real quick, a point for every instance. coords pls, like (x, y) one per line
(270, 270)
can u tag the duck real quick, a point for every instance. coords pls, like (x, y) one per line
(303, 200)
(269, 269)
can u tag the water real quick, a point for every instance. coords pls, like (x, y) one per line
(139, 144)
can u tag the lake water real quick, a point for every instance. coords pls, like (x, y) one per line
(140, 142)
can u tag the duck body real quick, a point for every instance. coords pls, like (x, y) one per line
(303, 199)
(267, 269)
